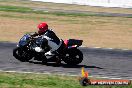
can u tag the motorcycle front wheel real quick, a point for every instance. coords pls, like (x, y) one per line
(21, 55)
(73, 56)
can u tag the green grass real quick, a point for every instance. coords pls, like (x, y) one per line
(30, 10)
(15, 9)
(20, 80)
(37, 81)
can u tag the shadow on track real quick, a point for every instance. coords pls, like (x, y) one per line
(66, 65)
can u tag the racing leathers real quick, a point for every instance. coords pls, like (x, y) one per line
(52, 40)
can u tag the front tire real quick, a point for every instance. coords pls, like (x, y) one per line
(73, 56)
(21, 55)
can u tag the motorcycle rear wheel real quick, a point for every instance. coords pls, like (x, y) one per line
(73, 56)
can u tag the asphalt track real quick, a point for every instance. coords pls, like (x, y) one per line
(83, 12)
(98, 62)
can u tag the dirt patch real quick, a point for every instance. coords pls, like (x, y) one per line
(112, 32)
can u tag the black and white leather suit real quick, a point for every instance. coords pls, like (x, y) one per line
(52, 40)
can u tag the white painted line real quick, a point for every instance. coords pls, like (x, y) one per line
(110, 48)
(83, 46)
(96, 47)
(48, 73)
(24, 72)
(107, 48)
(125, 49)
(105, 77)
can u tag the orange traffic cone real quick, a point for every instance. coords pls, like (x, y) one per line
(84, 74)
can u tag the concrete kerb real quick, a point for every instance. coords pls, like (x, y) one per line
(107, 49)
(48, 73)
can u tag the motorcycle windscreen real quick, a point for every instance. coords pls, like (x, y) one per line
(24, 40)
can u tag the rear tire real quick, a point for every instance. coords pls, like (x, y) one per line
(21, 55)
(73, 56)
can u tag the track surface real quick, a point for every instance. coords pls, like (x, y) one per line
(99, 62)
(84, 12)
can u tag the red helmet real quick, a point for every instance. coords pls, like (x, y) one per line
(42, 27)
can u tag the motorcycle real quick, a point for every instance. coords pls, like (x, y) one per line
(67, 52)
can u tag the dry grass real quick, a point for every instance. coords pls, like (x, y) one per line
(96, 31)
(63, 6)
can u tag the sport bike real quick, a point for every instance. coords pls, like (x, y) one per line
(67, 52)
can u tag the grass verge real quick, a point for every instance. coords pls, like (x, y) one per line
(20, 80)
(30, 10)
(95, 30)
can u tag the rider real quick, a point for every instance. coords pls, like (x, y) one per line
(51, 39)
